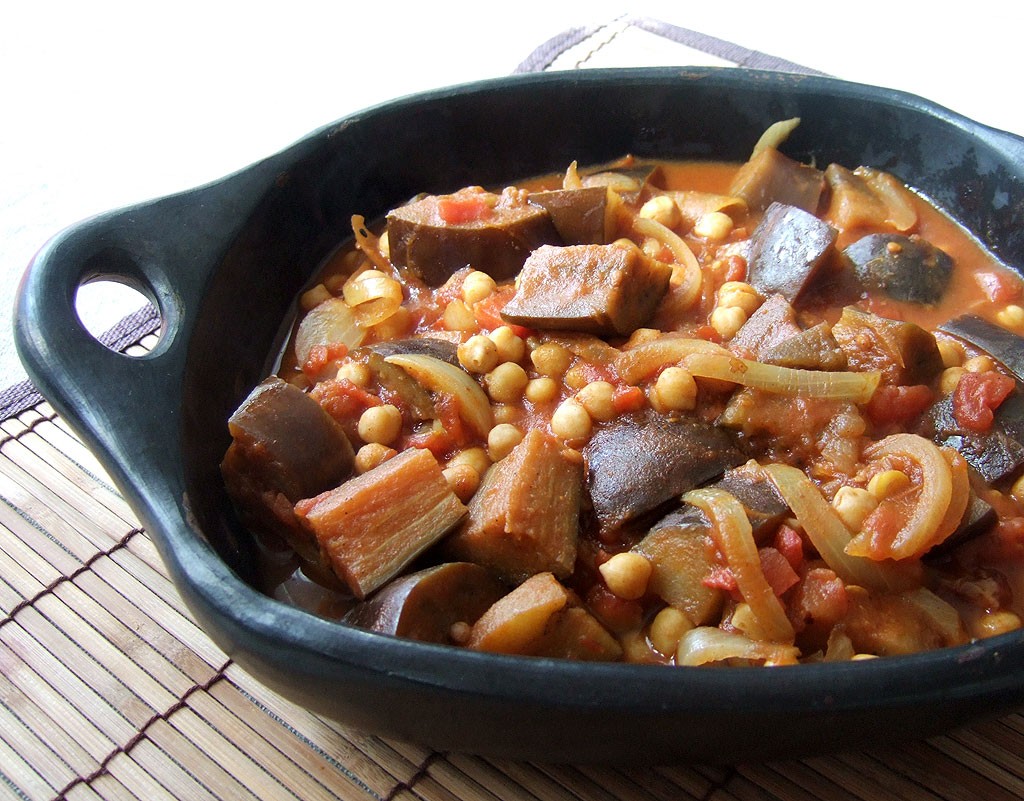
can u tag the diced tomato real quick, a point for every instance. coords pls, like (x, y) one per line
(617, 614)
(488, 312)
(976, 397)
(722, 578)
(708, 333)
(820, 598)
(627, 399)
(735, 268)
(777, 570)
(322, 355)
(463, 207)
(998, 287)
(895, 403)
(790, 544)
(343, 400)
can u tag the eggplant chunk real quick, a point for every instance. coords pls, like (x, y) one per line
(439, 234)
(421, 346)
(541, 617)
(904, 352)
(774, 322)
(1004, 346)
(284, 447)
(771, 177)
(596, 289)
(374, 525)
(813, 349)
(425, 605)
(641, 461)
(995, 455)
(524, 518)
(581, 216)
(903, 267)
(787, 249)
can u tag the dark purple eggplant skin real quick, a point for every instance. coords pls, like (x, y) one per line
(905, 268)
(426, 604)
(421, 346)
(641, 461)
(1004, 346)
(787, 249)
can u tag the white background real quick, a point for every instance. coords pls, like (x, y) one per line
(107, 103)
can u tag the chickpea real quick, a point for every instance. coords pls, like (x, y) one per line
(571, 421)
(541, 390)
(576, 377)
(506, 413)
(668, 628)
(853, 505)
(501, 440)
(888, 483)
(371, 455)
(662, 209)
(598, 398)
(380, 424)
(506, 382)
(740, 295)
(952, 354)
(1017, 490)
(551, 359)
(511, 347)
(475, 457)
(358, 374)
(1011, 316)
(714, 225)
(627, 574)
(477, 286)
(950, 378)
(979, 364)
(675, 391)
(463, 480)
(314, 297)
(458, 316)
(727, 320)
(478, 354)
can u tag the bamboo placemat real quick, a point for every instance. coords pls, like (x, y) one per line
(109, 690)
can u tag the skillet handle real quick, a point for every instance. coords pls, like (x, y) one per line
(168, 248)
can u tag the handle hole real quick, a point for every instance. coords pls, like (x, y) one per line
(118, 313)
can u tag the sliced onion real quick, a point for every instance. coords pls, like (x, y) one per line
(775, 134)
(370, 245)
(942, 615)
(830, 536)
(893, 194)
(734, 538)
(572, 178)
(643, 361)
(645, 226)
(616, 181)
(857, 387)
(941, 501)
(373, 295)
(331, 322)
(440, 376)
(706, 644)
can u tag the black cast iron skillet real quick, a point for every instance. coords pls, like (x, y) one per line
(223, 263)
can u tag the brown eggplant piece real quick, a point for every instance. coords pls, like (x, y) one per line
(524, 518)
(996, 455)
(374, 525)
(426, 604)
(787, 249)
(284, 447)
(979, 518)
(905, 268)
(543, 618)
(422, 346)
(396, 383)
(771, 177)
(629, 183)
(813, 349)
(639, 462)
(904, 352)
(1002, 345)
(496, 243)
(774, 322)
(581, 216)
(596, 289)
